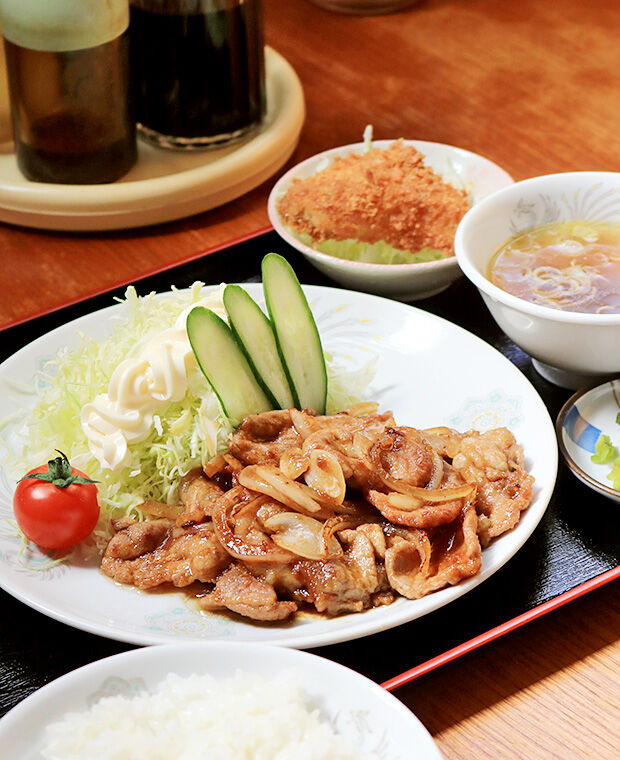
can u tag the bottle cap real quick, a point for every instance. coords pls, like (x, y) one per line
(63, 25)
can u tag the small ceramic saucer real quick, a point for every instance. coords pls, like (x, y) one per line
(584, 417)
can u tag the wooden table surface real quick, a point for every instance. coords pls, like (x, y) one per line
(534, 86)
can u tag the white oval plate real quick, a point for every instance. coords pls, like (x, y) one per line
(357, 708)
(583, 418)
(429, 372)
(165, 184)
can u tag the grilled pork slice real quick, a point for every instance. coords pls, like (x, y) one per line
(419, 562)
(494, 461)
(241, 592)
(349, 584)
(263, 438)
(199, 495)
(149, 554)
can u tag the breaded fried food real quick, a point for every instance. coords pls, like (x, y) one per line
(384, 195)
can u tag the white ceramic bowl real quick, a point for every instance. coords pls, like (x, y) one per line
(371, 718)
(405, 282)
(568, 348)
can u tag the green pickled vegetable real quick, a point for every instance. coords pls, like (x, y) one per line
(614, 475)
(604, 450)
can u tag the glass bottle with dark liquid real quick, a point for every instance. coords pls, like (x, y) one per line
(69, 83)
(199, 72)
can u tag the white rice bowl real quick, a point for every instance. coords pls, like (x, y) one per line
(200, 717)
(191, 699)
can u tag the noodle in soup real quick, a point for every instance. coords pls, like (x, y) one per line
(570, 266)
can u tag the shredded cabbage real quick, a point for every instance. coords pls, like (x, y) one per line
(186, 433)
(346, 386)
(368, 253)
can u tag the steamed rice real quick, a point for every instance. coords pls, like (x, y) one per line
(246, 717)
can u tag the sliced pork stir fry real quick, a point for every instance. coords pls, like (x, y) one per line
(338, 513)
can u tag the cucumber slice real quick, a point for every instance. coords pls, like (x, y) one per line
(296, 333)
(254, 334)
(225, 366)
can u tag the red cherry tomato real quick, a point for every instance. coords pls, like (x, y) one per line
(56, 516)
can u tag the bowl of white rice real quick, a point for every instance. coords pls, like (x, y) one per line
(221, 701)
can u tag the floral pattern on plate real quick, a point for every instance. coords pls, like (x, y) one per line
(190, 623)
(495, 410)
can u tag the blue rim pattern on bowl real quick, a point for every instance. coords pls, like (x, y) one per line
(579, 430)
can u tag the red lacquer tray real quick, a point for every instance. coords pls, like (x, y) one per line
(568, 555)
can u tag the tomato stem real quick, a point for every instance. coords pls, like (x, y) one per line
(59, 473)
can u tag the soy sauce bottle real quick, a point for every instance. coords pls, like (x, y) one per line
(69, 84)
(199, 71)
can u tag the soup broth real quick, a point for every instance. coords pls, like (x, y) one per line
(570, 266)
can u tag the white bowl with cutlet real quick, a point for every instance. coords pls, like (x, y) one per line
(389, 200)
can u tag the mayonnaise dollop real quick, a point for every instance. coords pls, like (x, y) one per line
(139, 386)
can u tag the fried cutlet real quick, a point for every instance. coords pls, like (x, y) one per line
(384, 195)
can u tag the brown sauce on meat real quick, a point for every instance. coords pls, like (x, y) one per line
(226, 553)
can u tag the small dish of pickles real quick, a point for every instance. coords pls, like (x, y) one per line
(588, 429)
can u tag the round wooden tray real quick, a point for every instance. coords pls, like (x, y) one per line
(164, 184)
